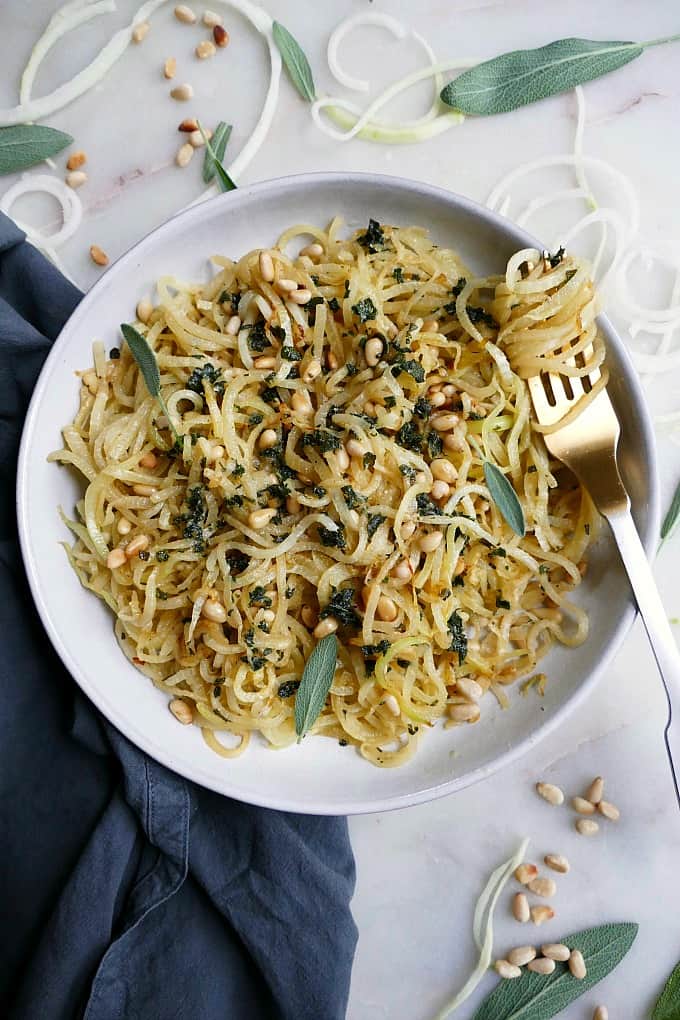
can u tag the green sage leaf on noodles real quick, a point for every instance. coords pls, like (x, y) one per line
(317, 678)
(148, 366)
(505, 498)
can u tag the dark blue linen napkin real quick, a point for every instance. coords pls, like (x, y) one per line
(126, 891)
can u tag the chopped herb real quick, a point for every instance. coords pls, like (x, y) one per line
(114, 353)
(409, 436)
(334, 305)
(313, 302)
(532, 469)
(288, 689)
(369, 651)
(458, 287)
(277, 491)
(351, 498)
(342, 742)
(234, 500)
(374, 239)
(342, 606)
(278, 332)
(410, 367)
(398, 274)
(289, 593)
(264, 627)
(239, 470)
(473, 416)
(206, 373)
(369, 461)
(162, 595)
(325, 442)
(458, 637)
(330, 415)
(365, 310)
(346, 294)
(502, 604)
(390, 402)
(498, 551)
(257, 338)
(435, 444)
(477, 315)
(259, 597)
(195, 518)
(351, 368)
(412, 729)
(422, 408)
(555, 259)
(586, 528)
(458, 581)
(568, 275)
(237, 560)
(162, 555)
(144, 554)
(257, 662)
(255, 419)
(408, 472)
(270, 395)
(332, 539)
(425, 505)
(318, 491)
(232, 299)
(544, 568)
(374, 522)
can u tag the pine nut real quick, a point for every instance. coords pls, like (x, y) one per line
(286, 285)
(149, 460)
(265, 361)
(444, 422)
(421, 478)
(210, 19)
(609, 811)
(233, 325)
(428, 543)
(182, 93)
(386, 609)
(595, 791)
(521, 956)
(268, 615)
(440, 490)
(373, 351)
(124, 526)
(216, 453)
(144, 310)
(182, 711)
(556, 951)
(583, 806)
(392, 705)
(116, 558)
(601, 1013)
(541, 966)
(76, 160)
(454, 441)
(407, 530)
(92, 382)
(260, 518)
(430, 326)
(507, 970)
(586, 827)
(520, 908)
(437, 399)
(266, 264)
(196, 139)
(324, 627)
(98, 255)
(76, 179)
(185, 14)
(214, 611)
(369, 408)
(312, 372)
(300, 297)
(468, 713)
(577, 964)
(267, 439)
(402, 571)
(136, 546)
(551, 793)
(170, 68)
(332, 361)
(139, 31)
(205, 49)
(557, 862)
(143, 490)
(221, 36)
(541, 914)
(293, 505)
(354, 448)
(471, 690)
(314, 251)
(525, 873)
(449, 391)
(301, 402)
(543, 887)
(443, 470)
(184, 155)
(188, 125)
(308, 616)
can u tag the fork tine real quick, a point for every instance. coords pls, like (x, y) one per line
(541, 405)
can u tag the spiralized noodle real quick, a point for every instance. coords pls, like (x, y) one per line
(302, 496)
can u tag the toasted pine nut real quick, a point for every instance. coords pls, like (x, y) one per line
(454, 441)
(354, 448)
(139, 31)
(91, 380)
(267, 439)
(402, 570)
(76, 178)
(421, 478)
(443, 470)
(525, 873)
(144, 310)
(468, 713)
(551, 793)
(184, 155)
(216, 453)
(373, 351)
(314, 251)
(233, 325)
(444, 422)
(507, 970)
(124, 526)
(557, 862)
(577, 964)
(143, 490)
(324, 627)
(286, 285)
(521, 956)
(440, 490)
(116, 558)
(595, 791)
(205, 49)
(301, 402)
(609, 811)
(136, 546)
(293, 505)
(556, 951)
(430, 326)
(221, 36)
(543, 887)
(586, 826)
(170, 68)
(449, 390)
(460, 568)
(76, 160)
(185, 14)
(354, 519)
(266, 266)
(583, 806)
(260, 518)
(541, 914)
(300, 297)
(188, 125)
(312, 372)
(265, 361)
(407, 530)
(196, 139)
(471, 690)
(437, 399)
(332, 361)
(98, 255)
(210, 19)
(520, 908)
(182, 711)
(149, 460)
(386, 609)
(601, 1013)
(428, 543)
(214, 611)
(268, 615)
(541, 966)
(392, 705)
(182, 93)
(308, 616)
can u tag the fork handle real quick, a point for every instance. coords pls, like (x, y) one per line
(657, 626)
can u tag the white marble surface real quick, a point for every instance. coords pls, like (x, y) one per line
(420, 870)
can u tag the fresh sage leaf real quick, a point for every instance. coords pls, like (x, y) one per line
(295, 61)
(218, 144)
(505, 498)
(317, 678)
(526, 76)
(148, 366)
(671, 518)
(27, 144)
(668, 1004)
(223, 179)
(540, 996)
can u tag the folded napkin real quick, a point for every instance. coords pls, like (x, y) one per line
(127, 891)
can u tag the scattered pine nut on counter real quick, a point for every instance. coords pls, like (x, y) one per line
(557, 863)
(586, 826)
(551, 793)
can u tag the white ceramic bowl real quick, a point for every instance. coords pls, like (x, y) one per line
(318, 776)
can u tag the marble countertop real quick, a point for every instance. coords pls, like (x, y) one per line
(421, 869)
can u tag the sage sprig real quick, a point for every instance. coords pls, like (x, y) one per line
(668, 1003)
(539, 996)
(526, 76)
(224, 181)
(295, 61)
(218, 145)
(671, 519)
(148, 366)
(505, 498)
(27, 144)
(317, 678)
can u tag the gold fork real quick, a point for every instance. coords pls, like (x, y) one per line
(587, 444)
